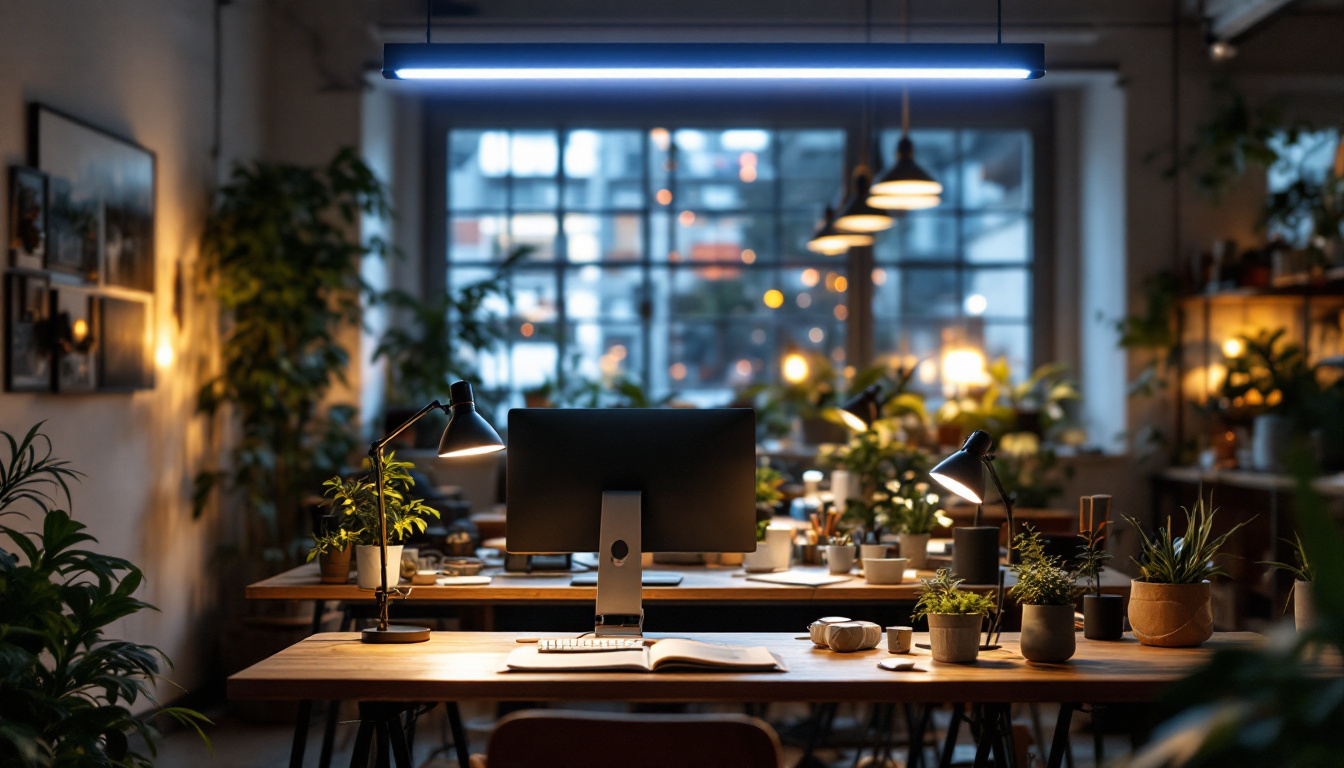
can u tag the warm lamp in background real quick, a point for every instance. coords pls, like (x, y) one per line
(860, 411)
(964, 368)
(795, 368)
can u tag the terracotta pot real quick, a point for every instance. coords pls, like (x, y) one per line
(367, 564)
(1304, 606)
(1103, 617)
(1170, 615)
(1047, 633)
(335, 565)
(915, 548)
(953, 638)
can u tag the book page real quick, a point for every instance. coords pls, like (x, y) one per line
(529, 659)
(692, 654)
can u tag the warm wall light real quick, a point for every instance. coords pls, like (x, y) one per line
(163, 354)
(869, 62)
(964, 368)
(1233, 347)
(795, 368)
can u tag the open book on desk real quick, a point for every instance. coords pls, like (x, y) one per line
(669, 654)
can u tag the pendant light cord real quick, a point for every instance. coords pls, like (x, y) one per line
(429, 14)
(905, 90)
(999, 4)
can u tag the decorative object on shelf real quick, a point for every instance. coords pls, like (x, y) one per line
(72, 695)
(1304, 576)
(1046, 592)
(954, 615)
(27, 217)
(125, 360)
(1103, 615)
(76, 335)
(1169, 606)
(28, 333)
(101, 215)
(975, 550)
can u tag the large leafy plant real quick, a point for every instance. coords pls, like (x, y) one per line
(283, 251)
(1165, 558)
(68, 692)
(874, 458)
(355, 503)
(942, 595)
(1040, 578)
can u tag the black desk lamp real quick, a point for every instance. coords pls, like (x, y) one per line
(860, 411)
(467, 434)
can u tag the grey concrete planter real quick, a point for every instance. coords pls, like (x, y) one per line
(1047, 633)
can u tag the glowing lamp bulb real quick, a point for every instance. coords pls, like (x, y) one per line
(795, 368)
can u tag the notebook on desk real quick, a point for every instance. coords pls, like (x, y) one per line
(665, 655)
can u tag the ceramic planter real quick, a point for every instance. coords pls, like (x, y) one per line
(871, 552)
(1047, 633)
(781, 547)
(1304, 606)
(335, 565)
(760, 561)
(1103, 617)
(1270, 436)
(915, 548)
(367, 561)
(954, 638)
(1170, 615)
(839, 558)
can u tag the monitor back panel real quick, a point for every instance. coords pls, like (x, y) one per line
(695, 469)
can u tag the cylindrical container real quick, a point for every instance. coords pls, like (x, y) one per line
(975, 554)
(915, 548)
(1103, 617)
(839, 558)
(885, 570)
(955, 638)
(1170, 615)
(871, 552)
(781, 546)
(760, 561)
(1304, 606)
(840, 482)
(335, 565)
(1270, 435)
(1047, 633)
(367, 558)
(899, 639)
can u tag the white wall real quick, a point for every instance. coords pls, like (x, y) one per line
(144, 70)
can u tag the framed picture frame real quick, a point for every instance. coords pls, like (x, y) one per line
(100, 200)
(28, 350)
(75, 339)
(124, 362)
(27, 217)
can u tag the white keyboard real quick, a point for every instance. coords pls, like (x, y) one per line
(588, 644)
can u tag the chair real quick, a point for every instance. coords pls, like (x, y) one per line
(560, 739)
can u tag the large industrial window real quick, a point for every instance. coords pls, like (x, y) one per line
(675, 257)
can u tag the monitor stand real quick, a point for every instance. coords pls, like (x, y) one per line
(620, 608)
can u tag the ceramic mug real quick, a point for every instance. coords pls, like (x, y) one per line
(899, 639)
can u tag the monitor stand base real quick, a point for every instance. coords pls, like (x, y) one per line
(620, 608)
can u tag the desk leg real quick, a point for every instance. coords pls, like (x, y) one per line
(953, 726)
(1003, 739)
(300, 742)
(1060, 744)
(915, 758)
(359, 758)
(459, 733)
(333, 707)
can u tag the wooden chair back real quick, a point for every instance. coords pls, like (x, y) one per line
(561, 739)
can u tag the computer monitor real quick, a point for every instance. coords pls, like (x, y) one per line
(623, 481)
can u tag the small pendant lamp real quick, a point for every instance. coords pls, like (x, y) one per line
(832, 242)
(856, 215)
(905, 186)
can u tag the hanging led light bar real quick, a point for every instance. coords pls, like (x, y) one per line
(871, 62)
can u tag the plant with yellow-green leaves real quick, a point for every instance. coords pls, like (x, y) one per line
(942, 596)
(355, 503)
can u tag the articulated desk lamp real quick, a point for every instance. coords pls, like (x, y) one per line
(859, 412)
(467, 434)
(975, 550)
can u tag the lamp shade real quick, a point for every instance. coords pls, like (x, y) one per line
(906, 177)
(832, 242)
(963, 473)
(860, 411)
(857, 215)
(467, 433)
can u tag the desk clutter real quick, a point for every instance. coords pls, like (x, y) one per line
(664, 655)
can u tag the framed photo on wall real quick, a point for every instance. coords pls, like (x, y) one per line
(100, 208)
(124, 359)
(27, 217)
(76, 336)
(28, 349)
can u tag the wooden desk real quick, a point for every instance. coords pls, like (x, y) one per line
(464, 665)
(700, 584)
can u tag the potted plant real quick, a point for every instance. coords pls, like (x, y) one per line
(1103, 615)
(1268, 379)
(333, 546)
(954, 615)
(1304, 605)
(1045, 591)
(873, 458)
(1169, 605)
(356, 500)
(917, 512)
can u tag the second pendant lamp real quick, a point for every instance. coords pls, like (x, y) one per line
(857, 215)
(831, 241)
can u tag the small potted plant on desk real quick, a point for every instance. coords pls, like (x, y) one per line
(954, 615)
(1169, 606)
(1046, 592)
(333, 546)
(1304, 606)
(356, 501)
(1103, 615)
(916, 508)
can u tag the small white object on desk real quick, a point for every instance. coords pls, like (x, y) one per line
(798, 578)
(462, 581)
(853, 636)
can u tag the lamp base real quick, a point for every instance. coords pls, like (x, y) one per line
(395, 633)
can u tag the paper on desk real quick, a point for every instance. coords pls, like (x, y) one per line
(462, 581)
(799, 578)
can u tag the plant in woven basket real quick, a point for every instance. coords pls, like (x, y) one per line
(1040, 579)
(942, 595)
(1188, 559)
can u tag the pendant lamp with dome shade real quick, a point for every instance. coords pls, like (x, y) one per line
(830, 241)
(905, 186)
